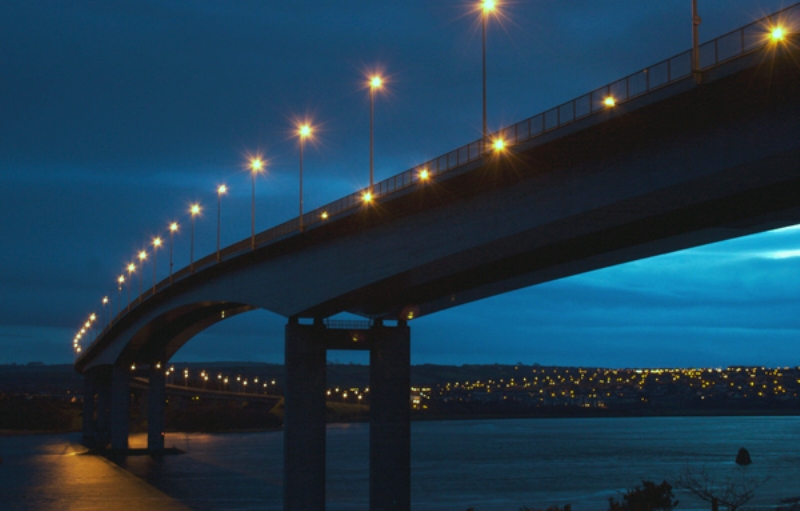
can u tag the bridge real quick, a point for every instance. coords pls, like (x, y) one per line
(667, 158)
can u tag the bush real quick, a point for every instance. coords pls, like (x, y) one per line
(648, 497)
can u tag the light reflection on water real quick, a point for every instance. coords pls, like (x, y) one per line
(491, 465)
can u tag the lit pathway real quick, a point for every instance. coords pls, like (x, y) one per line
(50, 473)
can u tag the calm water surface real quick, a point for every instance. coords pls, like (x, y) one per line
(491, 465)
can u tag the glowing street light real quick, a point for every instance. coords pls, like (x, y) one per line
(173, 228)
(221, 189)
(156, 246)
(424, 174)
(777, 34)
(610, 101)
(194, 210)
(256, 166)
(375, 82)
(142, 258)
(303, 131)
(499, 144)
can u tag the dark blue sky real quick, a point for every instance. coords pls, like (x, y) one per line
(115, 115)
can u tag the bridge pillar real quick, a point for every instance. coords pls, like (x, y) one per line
(102, 382)
(390, 418)
(304, 419)
(89, 422)
(156, 401)
(120, 408)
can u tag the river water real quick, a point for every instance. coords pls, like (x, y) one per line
(490, 465)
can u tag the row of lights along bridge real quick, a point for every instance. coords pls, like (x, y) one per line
(257, 165)
(304, 131)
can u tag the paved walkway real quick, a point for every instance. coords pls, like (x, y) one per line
(54, 473)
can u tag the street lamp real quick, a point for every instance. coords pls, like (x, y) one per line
(131, 269)
(173, 228)
(221, 189)
(142, 257)
(256, 166)
(120, 281)
(105, 302)
(194, 210)
(488, 8)
(376, 82)
(303, 131)
(156, 245)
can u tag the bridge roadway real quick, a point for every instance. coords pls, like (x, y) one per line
(685, 164)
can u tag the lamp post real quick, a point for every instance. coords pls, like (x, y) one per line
(487, 8)
(120, 281)
(105, 302)
(376, 82)
(156, 245)
(173, 228)
(195, 210)
(142, 257)
(221, 189)
(303, 132)
(696, 20)
(131, 269)
(256, 166)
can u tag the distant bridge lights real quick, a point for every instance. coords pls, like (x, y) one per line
(120, 281)
(609, 101)
(324, 215)
(499, 144)
(424, 174)
(367, 197)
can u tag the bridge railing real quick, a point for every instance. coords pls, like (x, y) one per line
(744, 40)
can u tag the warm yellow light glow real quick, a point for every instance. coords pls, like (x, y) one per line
(173, 226)
(93, 317)
(142, 255)
(87, 324)
(158, 365)
(157, 242)
(488, 6)
(131, 268)
(424, 174)
(195, 210)
(133, 367)
(80, 334)
(610, 101)
(499, 144)
(304, 131)
(78, 349)
(324, 215)
(256, 164)
(222, 189)
(121, 279)
(105, 300)
(777, 34)
(367, 197)
(375, 82)
(83, 331)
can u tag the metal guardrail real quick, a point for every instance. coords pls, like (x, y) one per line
(713, 53)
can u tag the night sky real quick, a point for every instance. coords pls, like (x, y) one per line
(116, 115)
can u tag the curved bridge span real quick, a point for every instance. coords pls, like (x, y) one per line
(666, 166)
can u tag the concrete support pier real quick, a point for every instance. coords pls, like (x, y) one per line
(390, 419)
(304, 418)
(156, 403)
(102, 409)
(89, 422)
(390, 413)
(120, 408)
